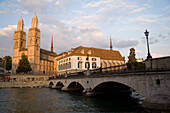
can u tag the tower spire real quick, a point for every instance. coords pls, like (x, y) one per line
(110, 43)
(52, 44)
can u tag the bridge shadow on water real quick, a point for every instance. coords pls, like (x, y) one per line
(110, 102)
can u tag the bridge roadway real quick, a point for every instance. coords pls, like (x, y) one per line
(154, 86)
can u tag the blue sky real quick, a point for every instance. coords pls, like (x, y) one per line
(91, 23)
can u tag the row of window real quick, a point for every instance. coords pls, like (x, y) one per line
(65, 60)
(46, 68)
(64, 66)
(111, 64)
(80, 58)
(87, 64)
(47, 57)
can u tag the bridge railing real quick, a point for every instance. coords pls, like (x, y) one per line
(125, 68)
(119, 69)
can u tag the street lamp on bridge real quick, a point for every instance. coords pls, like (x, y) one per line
(147, 34)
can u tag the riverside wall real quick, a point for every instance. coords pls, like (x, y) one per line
(32, 84)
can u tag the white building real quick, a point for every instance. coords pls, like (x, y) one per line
(79, 58)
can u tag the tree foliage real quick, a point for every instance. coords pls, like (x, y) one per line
(24, 65)
(8, 62)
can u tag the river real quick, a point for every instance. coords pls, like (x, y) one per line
(45, 100)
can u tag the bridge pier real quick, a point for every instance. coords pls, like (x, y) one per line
(157, 104)
(71, 89)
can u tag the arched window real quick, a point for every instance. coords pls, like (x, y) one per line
(109, 64)
(69, 65)
(105, 64)
(113, 64)
(21, 44)
(87, 64)
(80, 65)
(16, 44)
(94, 65)
(35, 41)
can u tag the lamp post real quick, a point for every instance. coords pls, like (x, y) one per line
(147, 34)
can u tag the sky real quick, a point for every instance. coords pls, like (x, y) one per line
(91, 23)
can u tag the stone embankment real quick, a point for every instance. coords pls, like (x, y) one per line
(31, 84)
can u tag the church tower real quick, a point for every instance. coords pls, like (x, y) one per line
(110, 43)
(34, 45)
(19, 43)
(52, 44)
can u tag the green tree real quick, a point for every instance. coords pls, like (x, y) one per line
(8, 62)
(24, 65)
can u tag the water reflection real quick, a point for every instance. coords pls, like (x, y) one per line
(49, 100)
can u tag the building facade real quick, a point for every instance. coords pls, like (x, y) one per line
(47, 62)
(82, 58)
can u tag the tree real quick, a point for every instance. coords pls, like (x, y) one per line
(132, 60)
(24, 65)
(8, 62)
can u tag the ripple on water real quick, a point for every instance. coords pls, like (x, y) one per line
(50, 100)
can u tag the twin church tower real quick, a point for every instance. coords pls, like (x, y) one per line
(33, 46)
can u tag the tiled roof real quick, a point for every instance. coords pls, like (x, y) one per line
(43, 51)
(102, 53)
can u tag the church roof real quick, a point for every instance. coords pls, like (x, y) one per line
(43, 51)
(96, 52)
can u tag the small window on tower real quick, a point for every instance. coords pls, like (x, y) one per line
(35, 41)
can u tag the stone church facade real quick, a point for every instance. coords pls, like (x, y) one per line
(47, 62)
(41, 60)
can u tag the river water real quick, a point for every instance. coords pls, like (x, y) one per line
(45, 100)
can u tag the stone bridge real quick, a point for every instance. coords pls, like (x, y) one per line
(154, 86)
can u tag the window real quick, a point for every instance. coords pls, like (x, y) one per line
(118, 63)
(16, 44)
(79, 58)
(109, 64)
(93, 59)
(69, 65)
(105, 64)
(80, 65)
(87, 65)
(35, 41)
(113, 64)
(94, 65)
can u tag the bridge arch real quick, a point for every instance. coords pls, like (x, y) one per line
(111, 89)
(75, 86)
(59, 85)
(51, 84)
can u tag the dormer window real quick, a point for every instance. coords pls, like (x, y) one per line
(89, 52)
(82, 51)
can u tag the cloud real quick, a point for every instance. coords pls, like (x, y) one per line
(34, 5)
(6, 37)
(156, 55)
(143, 19)
(6, 11)
(125, 43)
(8, 31)
(138, 10)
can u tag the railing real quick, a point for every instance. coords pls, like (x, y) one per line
(119, 69)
